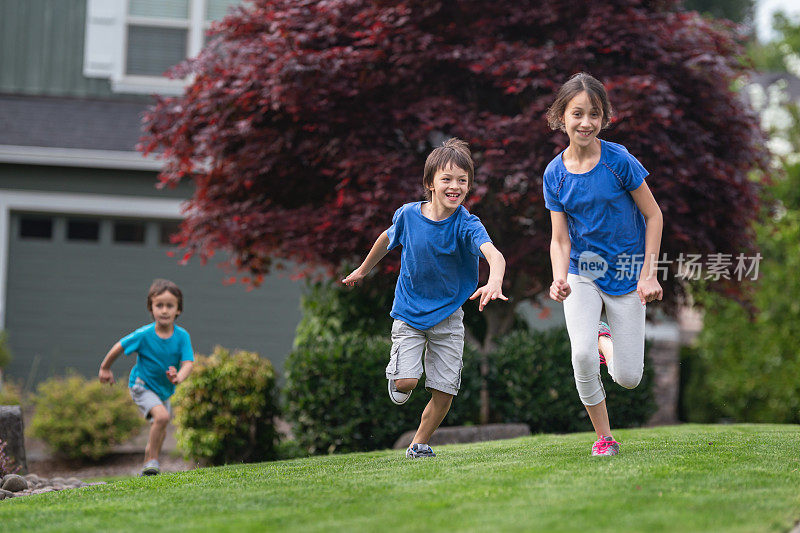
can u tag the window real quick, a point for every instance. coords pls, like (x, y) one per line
(129, 231)
(83, 230)
(133, 42)
(33, 227)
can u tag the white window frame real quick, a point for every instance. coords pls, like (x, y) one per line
(106, 45)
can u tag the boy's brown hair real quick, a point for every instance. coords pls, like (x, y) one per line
(575, 85)
(453, 152)
(161, 286)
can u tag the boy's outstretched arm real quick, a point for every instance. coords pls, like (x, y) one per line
(105, 374)
(497, 269)
(378, 251)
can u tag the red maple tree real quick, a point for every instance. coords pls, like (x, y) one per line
(308, 122)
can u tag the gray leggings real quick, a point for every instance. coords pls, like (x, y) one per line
(626, 316)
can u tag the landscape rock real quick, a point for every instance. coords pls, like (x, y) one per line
(14, 483)
(12, 433)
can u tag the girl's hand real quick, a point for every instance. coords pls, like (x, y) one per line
(491, 291)
(559, 290)
(353, 278)
(172, 375)
(649, 290)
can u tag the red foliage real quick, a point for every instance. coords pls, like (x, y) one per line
(308, 123)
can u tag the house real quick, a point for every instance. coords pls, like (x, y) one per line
(83, 229)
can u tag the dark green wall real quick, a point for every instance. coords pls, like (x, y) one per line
(41, 50)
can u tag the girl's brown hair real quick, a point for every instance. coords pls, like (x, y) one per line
(453, 152)
(161, 286)
(575, 85)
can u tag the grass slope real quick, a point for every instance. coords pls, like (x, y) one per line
(683, 478)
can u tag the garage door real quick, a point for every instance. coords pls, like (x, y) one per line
(78, 284)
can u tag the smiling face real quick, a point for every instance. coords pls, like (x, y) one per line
(164, 308)
(450, 187)
(583, 120)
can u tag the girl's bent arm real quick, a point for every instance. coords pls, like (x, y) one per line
(649, 288)
(560, 247)
(378, 251)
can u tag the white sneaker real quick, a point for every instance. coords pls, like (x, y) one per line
(397, 396)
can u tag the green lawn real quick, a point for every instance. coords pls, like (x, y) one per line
(683, 478)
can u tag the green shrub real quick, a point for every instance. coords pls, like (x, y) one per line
(531, 381)
(331, 308)
(225, 410)
(83, 419)
(746, 362)
(5, 351)
(10, 393)
(335, 395)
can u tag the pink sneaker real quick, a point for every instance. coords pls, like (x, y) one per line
(604, 331)
(605, 446)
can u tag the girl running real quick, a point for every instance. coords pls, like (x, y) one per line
(606, 238)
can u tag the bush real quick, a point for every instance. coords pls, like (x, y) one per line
(5, 351)
(225, 409)
(330, 309)
(336, 397)
(10, 393)
(83, 419)
(531, 381)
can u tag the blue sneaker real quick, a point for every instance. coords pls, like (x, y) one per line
(415, 451)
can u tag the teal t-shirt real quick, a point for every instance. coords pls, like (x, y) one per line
(156, 355)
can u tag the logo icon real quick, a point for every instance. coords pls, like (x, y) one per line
(592, 265)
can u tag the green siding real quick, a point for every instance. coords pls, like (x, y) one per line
(68, 302)
(88, 180)
(41, 50)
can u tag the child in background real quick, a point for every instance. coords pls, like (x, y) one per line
(161, 347)
(442, 244)
(604, 218)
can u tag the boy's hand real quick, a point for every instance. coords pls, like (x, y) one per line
(559, 290)
(172, 375)
(106, 376)
(491, 291)
(354, 277)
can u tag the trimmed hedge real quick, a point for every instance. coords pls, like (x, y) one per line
(336, 397)
(225, 409)
(83, 419)
(531, 381)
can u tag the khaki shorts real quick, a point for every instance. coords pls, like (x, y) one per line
(443, 345)
(145, 399)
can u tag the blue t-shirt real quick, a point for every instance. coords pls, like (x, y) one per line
(438, 265)
(156, 355)
(606, 228)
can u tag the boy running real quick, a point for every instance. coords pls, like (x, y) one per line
(442, 244)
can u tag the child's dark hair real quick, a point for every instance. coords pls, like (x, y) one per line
(453, 152)
(575, 85)
(161, 286)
